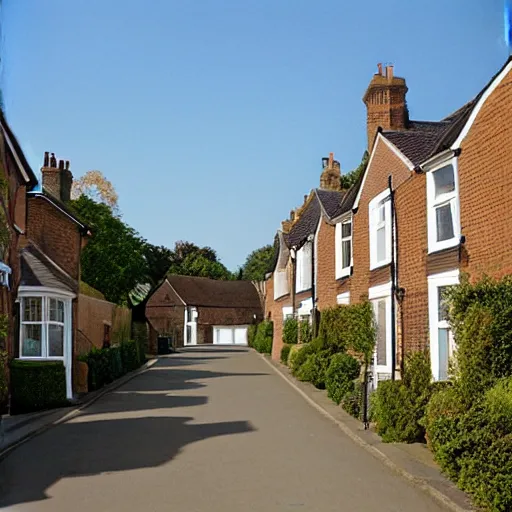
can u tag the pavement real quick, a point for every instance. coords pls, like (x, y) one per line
(211, 429)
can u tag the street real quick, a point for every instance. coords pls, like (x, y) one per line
(202, 431)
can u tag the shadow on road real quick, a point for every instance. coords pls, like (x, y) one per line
(97, 442)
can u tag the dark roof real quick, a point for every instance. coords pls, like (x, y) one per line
(201, 291)
(305, 226)
(423, 140)
(19, 153)
(330, 200)
(348, 199)
(38, 270)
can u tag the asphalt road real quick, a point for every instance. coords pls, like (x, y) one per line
(202, 431)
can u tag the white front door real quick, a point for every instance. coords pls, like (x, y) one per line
(190, 326)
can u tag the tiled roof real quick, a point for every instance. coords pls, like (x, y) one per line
(201, 291)
(330, 200)
(38, 270)
(305, 226)
(348, 199)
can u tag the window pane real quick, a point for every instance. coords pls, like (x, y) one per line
(444, 223)
(381, 214)
(381, 244)
(346, 248)
(55, 340)
(444, 181)
(32, 311)
(31, 340)
(442, 307)
(381, 332)
(444, 353)
(346, 230)
(56, 311)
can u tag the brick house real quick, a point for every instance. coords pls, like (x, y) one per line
(424, 210)
(16, 179)
(300, 263)
(197, 311)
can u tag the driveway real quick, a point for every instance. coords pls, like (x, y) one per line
(209, 430)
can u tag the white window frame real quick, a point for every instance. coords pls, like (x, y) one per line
(340, 270)
(375, 294)
(451, 198)
(303, 268)
(375, 225)
(287, 313)
(281, 286)
(343, 299)
(435, 282)
(25, 292)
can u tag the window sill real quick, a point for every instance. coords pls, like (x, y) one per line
(438, 248)
(298, 292)
(380, 264)
(281, 296)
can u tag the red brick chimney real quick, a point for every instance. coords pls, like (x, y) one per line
(385, 102)
(57, 178)
(330, 179)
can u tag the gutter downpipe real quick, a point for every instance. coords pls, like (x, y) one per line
(394, 286)
(293, 255)
(314, 322)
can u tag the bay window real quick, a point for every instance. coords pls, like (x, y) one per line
(443, 207)
(442, 344)
(343, 248)
(380, 230)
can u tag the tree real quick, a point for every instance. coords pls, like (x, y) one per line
(113, 260)
(258, 263)
(159, 260)
(347, 180)
(95, 186)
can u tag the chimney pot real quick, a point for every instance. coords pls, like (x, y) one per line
(46, 161)
(67, 165)
(389, 72)
(292, 215)
(53, 161)
(324, 162)
(61, 165)
(331, 159)
(379, 67)
(305, 197)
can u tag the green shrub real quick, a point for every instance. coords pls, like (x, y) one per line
(263, 338)
(290, 331)
(398, 407)
(314, 368)
(130, 355)
(99, 364)
(251, 334)
(306, 333)
(349, 328)
(343, 370)
(285, 352)
(37, 385)
(115, 362)
(352, 401)
(298, 357)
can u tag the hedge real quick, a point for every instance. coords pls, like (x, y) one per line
(3, 383)
(305, 331)
(37, 385)
(290, 331)
(314, 368)
(263, 339)
(343, 370)
(285, 352)
(251, 334)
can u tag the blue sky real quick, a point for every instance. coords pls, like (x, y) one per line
(211, 117)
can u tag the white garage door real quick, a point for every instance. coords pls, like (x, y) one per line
(232, 335)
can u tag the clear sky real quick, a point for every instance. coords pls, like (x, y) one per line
(211, 117)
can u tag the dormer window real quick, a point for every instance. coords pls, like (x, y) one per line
(380, 230)
(443, 207)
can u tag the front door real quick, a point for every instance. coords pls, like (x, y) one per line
(191, 326)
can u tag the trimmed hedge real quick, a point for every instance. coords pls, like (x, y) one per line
(37, 385)
(251, 334)
(285, 352)
(343, 370)
(263, 339)
(301, 354)
(305, 331)
(314, 368)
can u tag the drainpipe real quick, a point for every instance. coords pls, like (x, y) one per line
(393, 281)
(293, 255)
(314, 323)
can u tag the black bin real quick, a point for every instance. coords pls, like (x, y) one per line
(165, 345)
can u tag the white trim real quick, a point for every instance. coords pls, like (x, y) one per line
(193, 327)
(67, 357)
(315, 258)
(303, 268)
(287, 311)
(341, 271)
(379, 291)
(15, 154)
(395, 150)
(374, 204)
(452, 199)
(343, 299)
(435, 281)
(376, 293)
(305, 307)
(480, 104)
(40, 291)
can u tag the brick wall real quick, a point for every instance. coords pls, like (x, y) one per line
(55, 234)
(166, 314)
(485, 181)
(384, 163)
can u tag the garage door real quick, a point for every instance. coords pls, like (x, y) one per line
(236, 335)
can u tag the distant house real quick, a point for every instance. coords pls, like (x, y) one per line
(197, 310)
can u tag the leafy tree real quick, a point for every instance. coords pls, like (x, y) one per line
(200, 266)
(258, 263)
(113, 260)
(347, 180)
(95, 186)
(158, 260)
